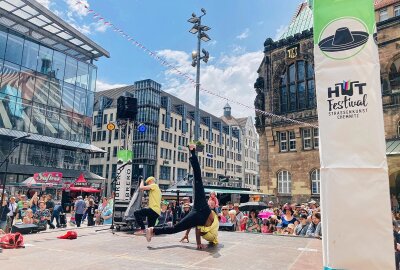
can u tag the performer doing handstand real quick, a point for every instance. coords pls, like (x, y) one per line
(201, 217)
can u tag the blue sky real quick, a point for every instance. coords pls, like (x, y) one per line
(238, 30)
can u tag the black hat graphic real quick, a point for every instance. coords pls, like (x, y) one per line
(343, 40)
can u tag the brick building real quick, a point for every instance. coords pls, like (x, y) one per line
(289, 157)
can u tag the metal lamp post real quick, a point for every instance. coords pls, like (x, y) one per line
(201, 36)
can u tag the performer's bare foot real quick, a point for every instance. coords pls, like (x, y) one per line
(140, 232)
(149, 234)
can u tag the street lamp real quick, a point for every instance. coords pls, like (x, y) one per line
(201, 36)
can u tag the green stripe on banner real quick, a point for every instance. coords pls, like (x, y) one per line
(342, 8)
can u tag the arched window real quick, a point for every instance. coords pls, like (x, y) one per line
(315, 182)
(394, 75)
(398, 129)
(284, 182)
(297, 90)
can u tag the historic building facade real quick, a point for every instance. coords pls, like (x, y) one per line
(289, 157)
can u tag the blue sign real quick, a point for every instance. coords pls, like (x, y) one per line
(142, 128)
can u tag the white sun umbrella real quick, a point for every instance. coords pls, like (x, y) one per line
(29, 182)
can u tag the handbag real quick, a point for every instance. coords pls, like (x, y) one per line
(12, 240)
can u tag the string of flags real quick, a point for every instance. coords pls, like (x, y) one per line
(187, 77)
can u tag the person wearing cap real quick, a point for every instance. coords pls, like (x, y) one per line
(80, 208)
(201, 217)
(165, 217)
(302, 227)
(288, 217)
(153, 211)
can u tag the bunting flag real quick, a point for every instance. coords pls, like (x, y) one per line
(356, 222)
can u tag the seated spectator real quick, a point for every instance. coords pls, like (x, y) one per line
(266, 226)
(254, 223)
(301, 228)
(22, 212)
(314, 229)
(232, 219)
(224, 215)
(165, 217)
(28, 218)
(289, 230)
(243, 223)
(213, 197)
(288, 218)
(42, 216)
(278, 213)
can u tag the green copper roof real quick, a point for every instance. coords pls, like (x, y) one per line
(303, 21)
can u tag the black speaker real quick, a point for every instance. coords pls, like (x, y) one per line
(126, 108)
(25, 228)
(227, 227)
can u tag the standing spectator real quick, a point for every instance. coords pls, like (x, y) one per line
(314, 229)
(212, 206)
(239, 214)
(288, 218)
(97, 217)
(13, 206)
(185, 200)
(50, 206)
(176, 212)
(230, 206)
(86, 200)
(253, 224)
(80, 208)
(56, 214)
(42, 216)
(302, 227)
(186, 211)
(90, 213)
(165, 217)
(106, 214)
(395, 203)
(270, 207)
(4, 213)
(21, 201)
(312, 207)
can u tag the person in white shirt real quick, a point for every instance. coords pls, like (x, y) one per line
(13, 206)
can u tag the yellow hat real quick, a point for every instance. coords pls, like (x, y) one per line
(151, 178)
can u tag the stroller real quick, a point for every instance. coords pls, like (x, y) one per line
(134, 204)
(63, 220)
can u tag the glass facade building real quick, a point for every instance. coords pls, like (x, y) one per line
(49, 94)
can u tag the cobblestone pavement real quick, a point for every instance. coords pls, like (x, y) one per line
(105, 250)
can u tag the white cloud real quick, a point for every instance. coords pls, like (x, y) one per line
(77, 9)
(100, 26)
(45, 3)
(244, 34)
(280, 31)
(84, 28)
(237, 49)
(230, 76)
(102, 85)
(211, 43)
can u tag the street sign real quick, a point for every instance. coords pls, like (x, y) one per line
(110, 126)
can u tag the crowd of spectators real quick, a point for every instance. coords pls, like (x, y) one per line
(43, 211)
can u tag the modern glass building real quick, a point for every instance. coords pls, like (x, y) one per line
(47, 84)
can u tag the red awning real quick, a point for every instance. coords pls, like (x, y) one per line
(85, 189)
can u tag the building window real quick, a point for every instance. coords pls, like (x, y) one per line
(315, 182)
(292, 141)
(398, 129)
(284, 182)
(397, 10)
(297, 91)
(165, 173)
(307, 143)
(383, 14)
(283, 141)
(115, 150)
(105, 119)
(310, 138)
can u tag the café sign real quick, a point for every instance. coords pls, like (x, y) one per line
(48, 177)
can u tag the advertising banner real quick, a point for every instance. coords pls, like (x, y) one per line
(48, 177)
(124, 175)
(356, 219)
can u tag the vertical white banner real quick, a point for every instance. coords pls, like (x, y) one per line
(356, 218)
(123, 182)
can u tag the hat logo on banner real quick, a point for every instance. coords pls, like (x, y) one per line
(341, 102)
(338, 42)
